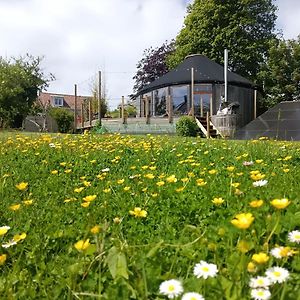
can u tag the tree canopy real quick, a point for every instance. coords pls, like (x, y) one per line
(152, 65)
(281, 73)
(244, 27)
(20, 80)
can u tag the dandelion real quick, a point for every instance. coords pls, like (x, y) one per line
(82, 245)
(243, 221)
(89, 198)
(260, 294)
(192, 296)
(4, 229)
(22, 186)
(217, 201)
(260, 258)
(259, 282)
(205, 270)
(280, 203)
(260, 183)
(138, 212)
(294, 236)
(171, 288)
(277, 274)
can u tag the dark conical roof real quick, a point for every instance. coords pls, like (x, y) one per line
(205, 71)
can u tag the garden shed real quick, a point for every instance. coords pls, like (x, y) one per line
(197, 85)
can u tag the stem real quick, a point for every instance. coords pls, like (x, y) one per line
(273, 230)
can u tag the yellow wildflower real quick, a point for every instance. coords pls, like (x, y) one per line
(180, 189)
(260, 258)
(15, 207)
(95, 229)
(22, 186)
(19, 237)
(2, 259)
(160, 183)
(117, 220)
(90, 198)
(230, 169)
(251, 267)
(85, 204)
(4, 229)
(256, 203)
(213, 171)
(171, 179)
(106, 191)
(149, 176)
(138, 212)
(54, 172)
(120, 181)
(243, 246)
(217, 201)
(243, 220)
(280, 203)
(78, 190)
(86, 183)
(82, 245)
(28, 202)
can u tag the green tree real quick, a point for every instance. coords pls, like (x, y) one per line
(281, 73)
(63, 117)
(244, 27)
(20, 81)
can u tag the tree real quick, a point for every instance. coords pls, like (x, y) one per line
(152, 65)
(281, 73)
(244, 27)
(20, 81)
(63, 117)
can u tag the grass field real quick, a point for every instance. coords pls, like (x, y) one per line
(154, 217)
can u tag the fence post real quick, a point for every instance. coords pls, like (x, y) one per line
(208, 125)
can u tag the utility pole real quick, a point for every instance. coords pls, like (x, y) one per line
(99, 98)
(192, 92)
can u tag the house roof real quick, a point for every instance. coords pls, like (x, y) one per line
(205, 71)
(69, 100)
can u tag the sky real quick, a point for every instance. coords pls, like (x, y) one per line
(79, 38)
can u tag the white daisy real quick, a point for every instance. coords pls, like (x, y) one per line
(9, 244)
(248, 163)
(280, 252)
(52, 145)
(259, 282)
(205, 270)
(105, 170)
(259, 183)
(277, 274)
(260, 294)
(171, 288)
(192, 296)
(294, 236)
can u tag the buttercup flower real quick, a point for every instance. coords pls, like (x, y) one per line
(192, 296)
(15, 207)
(243, 221)
(217, 201)
(260, 258)
(95, 229)
(260, 294)
(280, 203)
(19, 237)
(4, 229)
(277, 274)
(171, 288)
(205, 270)
(22, 186)
(256, 203)
(90, 198)
(138, 212)
(2, 259)
(171, 179)
(251, 267)
(294, 236)
(82, 245)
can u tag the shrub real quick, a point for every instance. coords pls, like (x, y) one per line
(187, 126)
(64, 119)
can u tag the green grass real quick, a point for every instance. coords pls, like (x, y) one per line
(131, 256)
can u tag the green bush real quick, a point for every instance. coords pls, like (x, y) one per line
(64, 119)
(187, 126)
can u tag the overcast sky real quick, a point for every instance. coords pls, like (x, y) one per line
(79, 37)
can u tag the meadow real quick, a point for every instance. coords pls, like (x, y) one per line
(154, 217)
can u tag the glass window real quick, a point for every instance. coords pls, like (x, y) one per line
(160, 99)
(180, 99)
(202, 98)
(58, 101)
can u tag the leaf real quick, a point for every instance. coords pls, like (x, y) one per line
(153, 251)
(117, 264)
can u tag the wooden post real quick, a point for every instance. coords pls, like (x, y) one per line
(147, 110)
(170, 109)
(201, 107)
(210, 105)
(90, 112)
(123, 111)
(208, 125)
(99, 98)
(192, 93)
(255, 103)
(82, 114)
(75, 108)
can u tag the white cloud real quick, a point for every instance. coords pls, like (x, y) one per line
(78, 38)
